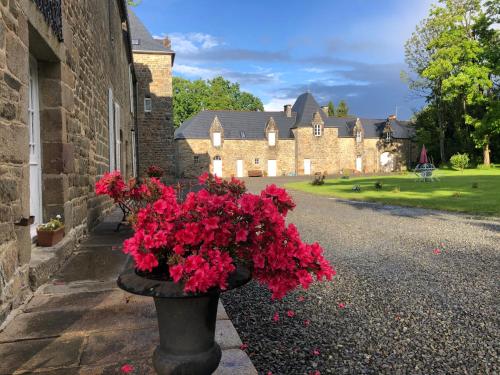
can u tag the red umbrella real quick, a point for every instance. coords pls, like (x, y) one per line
(423, 156)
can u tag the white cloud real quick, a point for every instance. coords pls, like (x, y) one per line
(196, 71)
(191, 42)
(314, 70)
(276, 104)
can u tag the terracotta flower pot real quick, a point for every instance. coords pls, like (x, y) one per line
(49, 237)
(186, 322)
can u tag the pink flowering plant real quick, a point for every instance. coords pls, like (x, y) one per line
(198, 241)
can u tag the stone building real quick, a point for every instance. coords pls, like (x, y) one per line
(66, 117)
(300, 140)
(153, 61)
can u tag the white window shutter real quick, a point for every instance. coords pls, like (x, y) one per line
(272, 138)
(117, 137)
(216, 136)
(111, 131)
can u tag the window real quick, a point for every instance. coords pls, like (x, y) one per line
(257, 161)
(131, 88)
(118, 136)
(136, 42)
(358, 136)
(196, 159)
(317, 130)
(148, 105)
(388, 136)
(272, 138)
(216, 139)
(111, 130)
(242, 134)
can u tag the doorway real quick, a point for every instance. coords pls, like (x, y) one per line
(239, 168)
(271, 168)
(217, 166)
(35, 167)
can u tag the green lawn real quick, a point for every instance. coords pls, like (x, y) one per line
(453, 191)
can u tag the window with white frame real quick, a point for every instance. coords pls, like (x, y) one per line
(196, 159)
(111, 130)
(272, 138)
(358, 136)
(388, 136)
(117, 135)
(216, 139)
(148, 105)
(317, 130)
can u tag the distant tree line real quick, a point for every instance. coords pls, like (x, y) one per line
(454, 62)
(191, 97)
(341, 111)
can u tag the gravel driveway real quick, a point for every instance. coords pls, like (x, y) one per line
(396, 306)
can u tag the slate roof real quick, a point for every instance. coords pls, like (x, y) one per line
(253, 124)
(141, 38)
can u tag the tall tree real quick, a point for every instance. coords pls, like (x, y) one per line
(453, 54)
(342, 109)
(191, 97)
(331, 109)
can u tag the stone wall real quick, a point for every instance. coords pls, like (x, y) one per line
(327, 153)
(156, 131)
(230, 152)
(74, 79)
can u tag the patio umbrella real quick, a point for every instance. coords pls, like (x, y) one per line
(423, 156)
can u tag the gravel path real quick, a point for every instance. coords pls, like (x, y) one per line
(396, 305)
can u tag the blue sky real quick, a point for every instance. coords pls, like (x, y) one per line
(351, 50)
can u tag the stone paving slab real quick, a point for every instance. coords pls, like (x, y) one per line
(31, 355)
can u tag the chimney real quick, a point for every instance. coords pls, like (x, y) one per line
(392, 117)
(167, 43)
(288, 110)
(324, 108)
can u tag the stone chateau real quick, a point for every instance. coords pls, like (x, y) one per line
(79, 82)
(300, 140)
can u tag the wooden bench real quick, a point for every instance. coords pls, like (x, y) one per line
(255, 173)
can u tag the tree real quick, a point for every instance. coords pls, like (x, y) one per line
(454, 53)
(331, 109)
(342, 109)
(191, 97)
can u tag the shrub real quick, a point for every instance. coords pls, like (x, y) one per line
(475, 185)
(460, 161)
(52, 225)
(378, 185)
(319, 179)
(356, 188)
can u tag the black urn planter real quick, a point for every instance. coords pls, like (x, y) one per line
(186, 322)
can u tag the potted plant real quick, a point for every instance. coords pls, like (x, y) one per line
(50, 233)
(187, 251)
(155, 171)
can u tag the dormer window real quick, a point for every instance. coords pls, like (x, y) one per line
(358, 136)
(317, 130)
(216, 139)
(272, 138)
(242, 134)
(388, 136)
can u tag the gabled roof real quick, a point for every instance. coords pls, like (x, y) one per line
(236, 124)
(252, 125)
(142, 41)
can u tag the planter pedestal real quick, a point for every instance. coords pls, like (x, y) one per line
(186, 323)
(187, 331)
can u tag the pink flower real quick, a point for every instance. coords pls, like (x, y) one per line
(276, 317)
(300, 299)
(126, 369)
(341, 305)
(243, 346)
(315, 373)
(436, 251)
(315, 352)
(307, 322)
(269, 373)
(290, 313)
